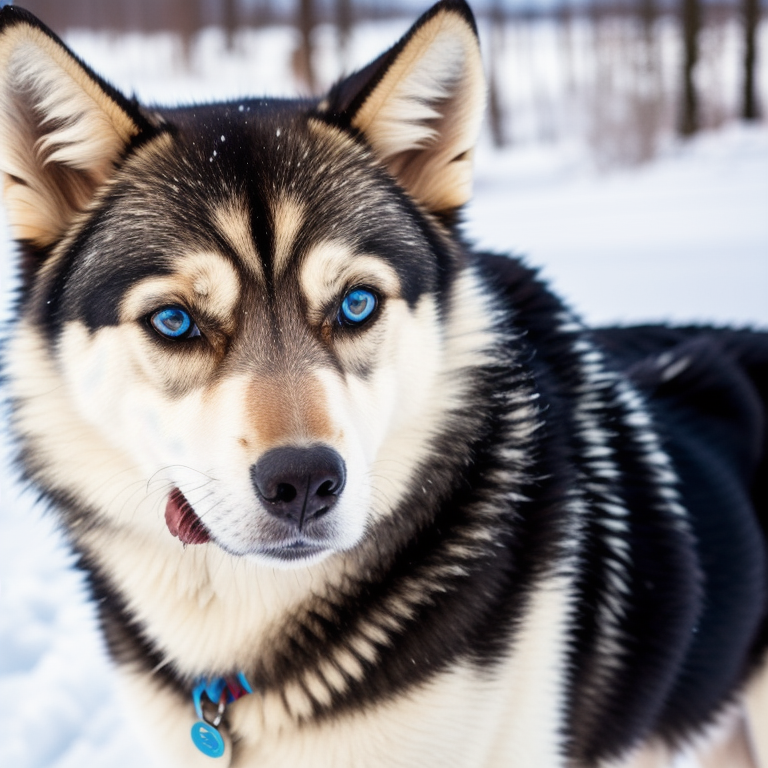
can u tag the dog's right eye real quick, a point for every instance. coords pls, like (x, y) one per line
(174, 323)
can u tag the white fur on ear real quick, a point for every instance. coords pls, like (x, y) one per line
(423, 117)
(61, 131)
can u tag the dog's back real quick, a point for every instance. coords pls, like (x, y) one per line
(707, 393)
(708, 389)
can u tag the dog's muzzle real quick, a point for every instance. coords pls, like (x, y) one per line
(297, 488)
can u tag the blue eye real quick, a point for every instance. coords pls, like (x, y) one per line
(358, 306)
(174, 323)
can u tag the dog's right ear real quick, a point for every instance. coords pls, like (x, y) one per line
(62, 129)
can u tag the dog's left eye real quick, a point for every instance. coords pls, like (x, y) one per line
(174, 323)
(358, 305)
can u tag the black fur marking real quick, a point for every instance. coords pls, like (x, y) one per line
(682, 654)
(712, 416)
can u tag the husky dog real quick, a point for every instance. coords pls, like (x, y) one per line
(350, 495)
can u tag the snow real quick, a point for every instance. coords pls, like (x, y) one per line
(684, 238)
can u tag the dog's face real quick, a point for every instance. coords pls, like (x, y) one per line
(252, 345)
(239, 301)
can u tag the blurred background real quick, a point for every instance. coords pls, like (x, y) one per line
(625, 153)
(623, 74)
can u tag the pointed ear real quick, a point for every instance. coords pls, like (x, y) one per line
(420, 106)
(62, 129)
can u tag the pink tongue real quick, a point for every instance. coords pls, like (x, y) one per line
(182, 521)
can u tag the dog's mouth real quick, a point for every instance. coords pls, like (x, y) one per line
(183, 522)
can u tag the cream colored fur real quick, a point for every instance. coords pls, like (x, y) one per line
(461, 719)
(60, 134)
(756, 698)
(725, 744)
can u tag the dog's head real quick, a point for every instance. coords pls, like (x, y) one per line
(233, 310)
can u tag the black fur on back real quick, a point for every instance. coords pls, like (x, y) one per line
(694, 619)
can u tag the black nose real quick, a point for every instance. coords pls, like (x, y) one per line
(299, 484)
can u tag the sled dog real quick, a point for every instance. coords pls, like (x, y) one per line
(348, 493)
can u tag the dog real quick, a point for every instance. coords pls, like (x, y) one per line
(349, 494)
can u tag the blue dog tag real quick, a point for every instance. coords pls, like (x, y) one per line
(207, 739)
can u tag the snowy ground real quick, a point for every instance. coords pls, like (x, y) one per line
(684, 238)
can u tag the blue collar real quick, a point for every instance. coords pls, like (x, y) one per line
(219, 691)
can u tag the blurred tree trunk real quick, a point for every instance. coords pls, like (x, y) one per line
(303, 56)
(751, 10)
(495, 109)
(649, 93)
(185, 16)
(344, 20)
(229, 21)
(691, 24)
(648, 14)
(564, 18)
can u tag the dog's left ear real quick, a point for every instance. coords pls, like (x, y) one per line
(62, 129)
(420, 106)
